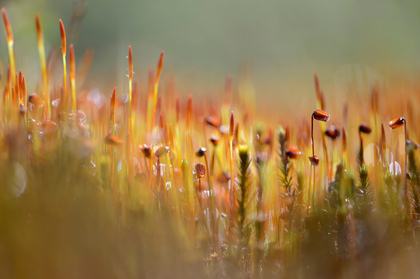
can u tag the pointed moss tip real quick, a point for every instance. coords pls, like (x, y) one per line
(130, 63)
(63, 37)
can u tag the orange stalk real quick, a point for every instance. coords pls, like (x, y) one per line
(130, 108)
(16, 92)
(155, 88)
(24, 102)
(10, 42)
(61, 104)
(6, 96)
(112, 136)
(20, 80)
(130, 90)
(73, 78)
(177, 111)
(189, 119)
(64, 51)
(319, 115)
(9, 79)
(150, 100)
(13, 99)
(135, 96)
(231, 132)
(319, 95)
(317, 87)
(41, 49)
(394, 124)
(112, 109)
(344, 147)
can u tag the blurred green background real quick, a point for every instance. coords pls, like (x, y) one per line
(282, 42)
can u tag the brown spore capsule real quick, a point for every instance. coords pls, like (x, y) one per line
(200, 152)
(321, 115)
(396, 122)
(293, 152)
(365, 128)
(200, 170)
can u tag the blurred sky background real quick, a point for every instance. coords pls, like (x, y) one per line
(351, 44)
